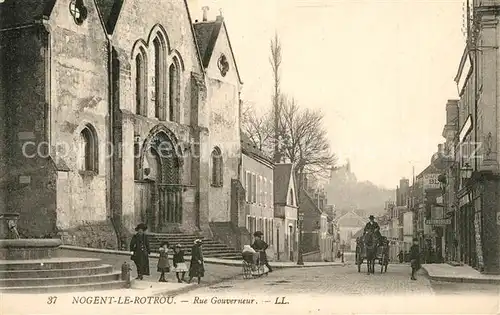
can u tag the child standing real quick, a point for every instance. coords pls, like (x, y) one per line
(180, 267)
(163, 263)
(414, 258)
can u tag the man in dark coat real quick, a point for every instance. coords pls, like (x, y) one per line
(260, 246)
(414, 258)
(139, 247)
(373, 227)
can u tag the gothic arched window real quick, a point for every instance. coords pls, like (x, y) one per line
(141, 72)
(217, 178)
(159, 81)
(174, 83)
(89, 156)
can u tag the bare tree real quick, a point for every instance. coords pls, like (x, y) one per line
(275, 61)
(305, 140)
(258, 128)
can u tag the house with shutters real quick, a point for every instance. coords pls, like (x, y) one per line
(257, 177)
(285, 213)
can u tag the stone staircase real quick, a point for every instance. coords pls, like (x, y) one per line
(211, 248)
(54, 275)
(33, 266)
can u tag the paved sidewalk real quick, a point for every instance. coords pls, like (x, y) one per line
(82, 251)
(448, 273)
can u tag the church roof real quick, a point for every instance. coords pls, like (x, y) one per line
(109, 10)
(207, 33)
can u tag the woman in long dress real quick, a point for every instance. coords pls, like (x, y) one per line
(139, 248)
(196, 268)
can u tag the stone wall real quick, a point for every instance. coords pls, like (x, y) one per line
(138, 24)
(28, 182)
(79, 99)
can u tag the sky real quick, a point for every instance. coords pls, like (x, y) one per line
(380, 71)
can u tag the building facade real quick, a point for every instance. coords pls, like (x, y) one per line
(130, 113)
(258, 178)
(478, 204)
(285, 212)
(316, 238)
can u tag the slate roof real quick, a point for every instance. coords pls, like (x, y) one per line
(306, 200)
(206, 33)
(282, 173)
(206, 37)
(16, 13)
(109, 10)
(249, 149)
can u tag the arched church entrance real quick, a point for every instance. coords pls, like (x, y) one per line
(161, 190)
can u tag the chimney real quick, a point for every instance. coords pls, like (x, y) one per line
(205, 11)
(219, 17)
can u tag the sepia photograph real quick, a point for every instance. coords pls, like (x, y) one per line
(249, 156)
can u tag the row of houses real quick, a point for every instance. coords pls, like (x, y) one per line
(271, 205)
(454, 200)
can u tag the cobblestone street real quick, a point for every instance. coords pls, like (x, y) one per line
(388, 289)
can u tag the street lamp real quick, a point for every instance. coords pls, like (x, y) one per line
(467, 171)
(300, 260)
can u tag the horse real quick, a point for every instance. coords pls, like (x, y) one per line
(370, 244)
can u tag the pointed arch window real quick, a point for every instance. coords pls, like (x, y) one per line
(141, 73)
(217, 179)
(159, 78)
(291, 197)
(174, 93)
(88, 155)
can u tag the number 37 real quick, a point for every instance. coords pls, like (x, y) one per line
(52, 300)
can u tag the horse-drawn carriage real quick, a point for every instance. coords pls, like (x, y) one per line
(372, 249)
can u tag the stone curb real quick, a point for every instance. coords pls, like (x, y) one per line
(460, 279)
(207, 259)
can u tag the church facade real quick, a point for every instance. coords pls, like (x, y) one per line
(116, 112)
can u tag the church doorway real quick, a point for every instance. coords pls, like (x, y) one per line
(160, 190)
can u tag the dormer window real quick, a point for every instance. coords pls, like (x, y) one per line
(78, 11)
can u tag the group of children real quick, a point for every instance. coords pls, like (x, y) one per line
(180, 267)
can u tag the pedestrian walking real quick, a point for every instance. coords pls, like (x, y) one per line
(196, 268)
(414, 258)
(260, 246)
(401, 256)
(139, 248)
(180, 267)
(163, 263)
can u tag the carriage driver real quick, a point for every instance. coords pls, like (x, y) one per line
(373, 226)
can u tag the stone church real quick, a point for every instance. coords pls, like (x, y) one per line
(116, 112)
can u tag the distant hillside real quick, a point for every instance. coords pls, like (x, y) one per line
(347, 193)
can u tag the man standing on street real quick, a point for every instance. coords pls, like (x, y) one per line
(414, 258)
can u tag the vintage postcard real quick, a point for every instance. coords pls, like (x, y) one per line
(249, 157)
